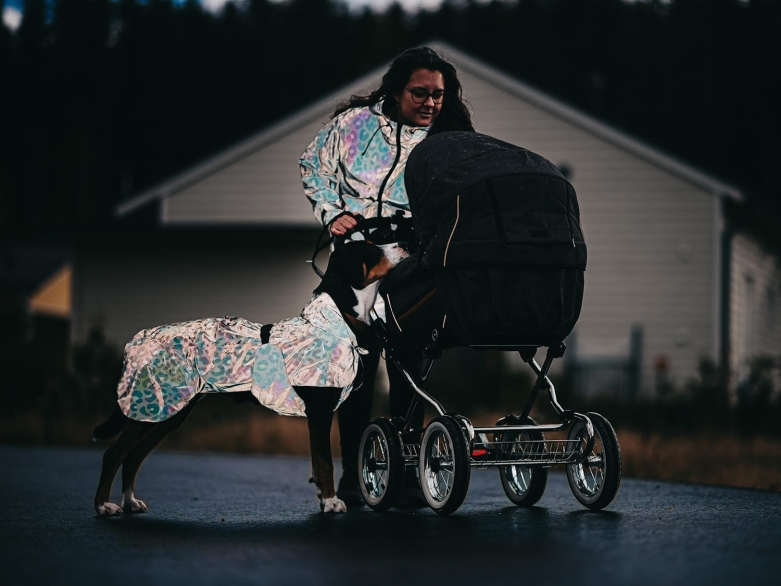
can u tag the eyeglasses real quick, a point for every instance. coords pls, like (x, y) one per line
(420, 95)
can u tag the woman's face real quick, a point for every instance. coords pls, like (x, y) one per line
(421, 81)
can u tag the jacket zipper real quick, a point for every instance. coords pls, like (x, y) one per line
(569, 220)
(395, 162)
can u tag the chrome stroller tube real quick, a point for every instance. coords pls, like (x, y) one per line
(551, 389)
(538, 370)
(415, 387)
(380, 326)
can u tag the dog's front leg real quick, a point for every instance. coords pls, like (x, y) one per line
(320, 403)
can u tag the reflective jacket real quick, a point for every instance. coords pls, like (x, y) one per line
(358, 160)
(165, 367)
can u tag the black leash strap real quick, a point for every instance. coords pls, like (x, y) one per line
(265, 333)
(318, 248)
(363, 226)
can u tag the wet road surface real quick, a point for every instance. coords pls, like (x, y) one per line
(220, 519)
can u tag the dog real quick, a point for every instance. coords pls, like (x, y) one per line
(151, 404)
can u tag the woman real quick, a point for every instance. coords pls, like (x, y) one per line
(354, 169)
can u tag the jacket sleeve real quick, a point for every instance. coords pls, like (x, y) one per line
(319, 165)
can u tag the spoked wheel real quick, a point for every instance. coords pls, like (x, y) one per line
(444, 465)
(381, 463)
(523, 485)
(595, 481)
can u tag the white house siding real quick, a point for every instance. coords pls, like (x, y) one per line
(755, 305)
(650, 237)
(129, 289)
(263, 188)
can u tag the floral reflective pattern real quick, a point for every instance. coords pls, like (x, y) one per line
(344, 166)
(166, 366)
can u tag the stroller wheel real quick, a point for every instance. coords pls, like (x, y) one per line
(444, 465)
(381, 465)
(523, 485)
(596, 479)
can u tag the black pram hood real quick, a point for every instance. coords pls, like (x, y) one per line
(499, 227)
(449, 163)
(516, 208)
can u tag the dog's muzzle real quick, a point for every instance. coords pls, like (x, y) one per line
(395, 253)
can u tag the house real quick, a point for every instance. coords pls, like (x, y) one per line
(666, 286)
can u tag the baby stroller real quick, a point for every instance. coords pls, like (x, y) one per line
(499, 264)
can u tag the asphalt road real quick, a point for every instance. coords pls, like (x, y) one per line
(217, 519)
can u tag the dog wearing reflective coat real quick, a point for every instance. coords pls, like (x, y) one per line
(303, 366)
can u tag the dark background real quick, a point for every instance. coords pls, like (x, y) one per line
(103, 99)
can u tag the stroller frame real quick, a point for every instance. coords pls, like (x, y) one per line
(516, 444)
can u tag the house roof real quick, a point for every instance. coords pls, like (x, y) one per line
(316, 111)
(465, 63)
(53, 298)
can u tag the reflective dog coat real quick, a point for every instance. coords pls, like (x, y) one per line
(165, 367)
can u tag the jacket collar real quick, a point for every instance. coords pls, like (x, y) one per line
(410, 135)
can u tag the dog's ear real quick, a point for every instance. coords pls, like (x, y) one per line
(347, 263)
(370, 254)
(372, 257)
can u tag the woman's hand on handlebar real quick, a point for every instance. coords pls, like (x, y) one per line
(344, 225)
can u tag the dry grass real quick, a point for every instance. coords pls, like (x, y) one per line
(709, 458)
(259, 434)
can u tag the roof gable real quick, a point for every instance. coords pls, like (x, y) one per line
(615, 137)
(256, 182)
(317, 114)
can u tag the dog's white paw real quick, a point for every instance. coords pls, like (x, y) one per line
(134, 505)
(334, 505)
(108, 509)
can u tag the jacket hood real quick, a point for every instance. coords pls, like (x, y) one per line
(410, 135)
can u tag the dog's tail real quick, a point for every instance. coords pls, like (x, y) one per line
(111, 427)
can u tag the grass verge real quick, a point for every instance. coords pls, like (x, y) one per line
(706, 457)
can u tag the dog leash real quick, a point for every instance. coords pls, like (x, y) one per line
(363, 226)
(318, 248)
(265, 333)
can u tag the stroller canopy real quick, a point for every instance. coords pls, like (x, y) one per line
(500, 227)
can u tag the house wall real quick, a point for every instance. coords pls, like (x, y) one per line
(755, 305)
(128, 288)
(264, 188)
(651, 238)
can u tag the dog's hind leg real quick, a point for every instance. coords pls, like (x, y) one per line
(320, 403)
(132, 435)
(133, 462)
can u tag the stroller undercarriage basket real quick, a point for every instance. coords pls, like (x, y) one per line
(506, 450)
(516, 445)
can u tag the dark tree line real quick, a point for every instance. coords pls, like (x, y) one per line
(101, 99)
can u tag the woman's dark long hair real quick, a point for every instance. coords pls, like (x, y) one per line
(453, 115)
